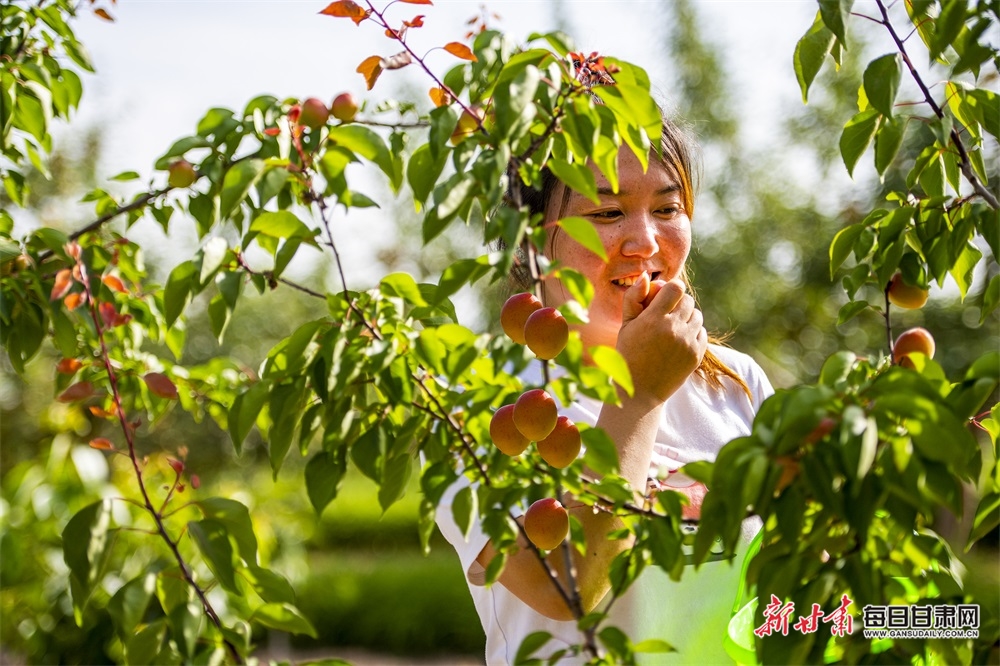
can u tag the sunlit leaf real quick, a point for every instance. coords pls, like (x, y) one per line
(856, 137)
(810, 52)
(460, 50)
(583, 232)
(371, 69)
(881, 80)
(284, 617)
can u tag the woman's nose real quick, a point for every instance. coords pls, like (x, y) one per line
(638, 238)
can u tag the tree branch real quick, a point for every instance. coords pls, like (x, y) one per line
(965, 164)
(129, 434)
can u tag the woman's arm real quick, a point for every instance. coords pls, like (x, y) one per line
(663, 343)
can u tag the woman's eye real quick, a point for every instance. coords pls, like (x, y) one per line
(669, 210)
(605, 214)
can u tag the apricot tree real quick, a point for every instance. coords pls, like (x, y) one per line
(847, 473)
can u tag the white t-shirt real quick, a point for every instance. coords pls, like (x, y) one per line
(692, 614)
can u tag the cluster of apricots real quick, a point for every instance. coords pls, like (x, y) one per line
(534, 416)
(311, 113)
(916, 339)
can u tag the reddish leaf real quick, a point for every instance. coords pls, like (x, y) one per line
(76, 392)
(68, 366)
(102, 444)
(63, 283)
(417, 2)
(398, 61)
(160, 385)
(177, 465)
(73, 301)
(100, 412)
(103, 13)
(182, 452)
(294, 113)
(460, 50)
(72, 249)
(440, 97)
(417, 22)
(393, 34)
(195, 482)
(272, 131)
(347, 9)
(114, 283)
(108, 314)
(370, 68)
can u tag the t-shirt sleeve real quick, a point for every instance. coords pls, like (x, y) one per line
(468, 546)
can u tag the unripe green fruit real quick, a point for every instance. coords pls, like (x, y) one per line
(314, 113)
(181, 174)
(344, 107)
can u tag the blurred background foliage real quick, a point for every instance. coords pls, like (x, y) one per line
(761, 269)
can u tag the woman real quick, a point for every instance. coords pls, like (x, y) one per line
(691, 397)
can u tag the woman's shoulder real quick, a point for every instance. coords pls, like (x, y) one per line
(744, 366)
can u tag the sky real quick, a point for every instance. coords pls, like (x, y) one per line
(162, 63)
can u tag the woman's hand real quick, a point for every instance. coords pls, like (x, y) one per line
(662, 337)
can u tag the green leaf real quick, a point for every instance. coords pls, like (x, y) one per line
(402, 285)
(185, 623)
(128, 606)
(836, 368)
(887, 142)
(986, 103)
(240, 177)
(851, 310)
(145, 646)
(653, 645)
(244, 411)
(423, 172)
(810, 52)
(281, 224)
(512, 103)
(236, 518)
(987, 518)
(613, 363)
(576, 176)
(881, 81)
(600, 453)
(177, 292)
(324, 472)
(947, 26)
(284, 617)
(363, 141)
(963, 268)
(395, 475)
(583, 232)
(530, 645)
(842, 245)
(835, 14)
(857, 135)
(212, 255)
(272, 587)
(464, 509)
(991, 298)
(85, 541)
(212, 539)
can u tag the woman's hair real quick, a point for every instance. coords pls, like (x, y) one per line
(678, 156)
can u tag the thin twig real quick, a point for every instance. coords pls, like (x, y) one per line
(127, 430)
(107, 217)
(965, 163)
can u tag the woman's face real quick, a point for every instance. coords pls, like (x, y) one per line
(643, 227)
